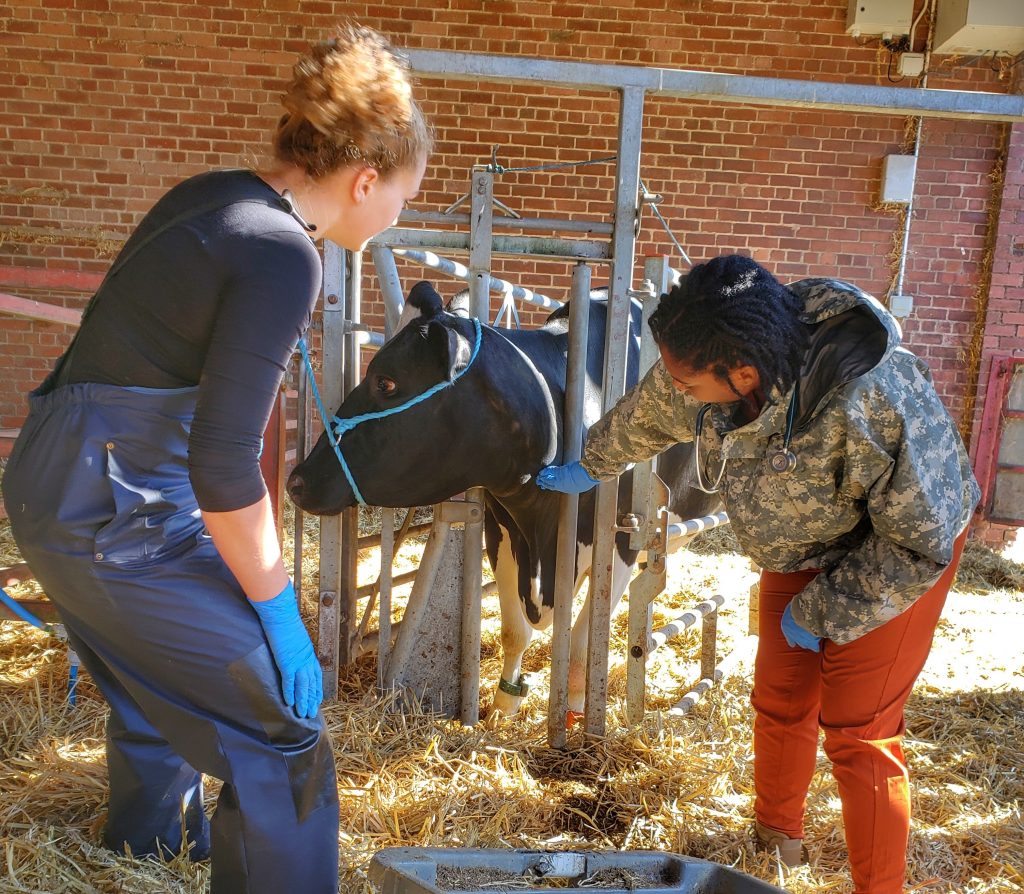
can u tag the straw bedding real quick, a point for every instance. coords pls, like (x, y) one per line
(680, 784)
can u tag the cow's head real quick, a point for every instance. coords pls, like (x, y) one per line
(423, 454)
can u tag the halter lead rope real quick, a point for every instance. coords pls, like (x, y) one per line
(337, 427)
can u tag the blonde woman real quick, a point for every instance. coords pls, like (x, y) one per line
(135, 494)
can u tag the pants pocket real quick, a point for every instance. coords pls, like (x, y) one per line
(155, 513)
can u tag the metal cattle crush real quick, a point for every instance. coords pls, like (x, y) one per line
(344, 335)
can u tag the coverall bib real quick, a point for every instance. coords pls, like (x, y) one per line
(98, 494)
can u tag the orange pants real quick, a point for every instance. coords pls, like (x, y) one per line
(856, 692)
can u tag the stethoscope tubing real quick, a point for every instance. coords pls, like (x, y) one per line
(782, 461)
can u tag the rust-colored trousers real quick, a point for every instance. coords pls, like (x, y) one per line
(856, 693)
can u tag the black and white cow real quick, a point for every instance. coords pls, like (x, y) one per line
(495, 427)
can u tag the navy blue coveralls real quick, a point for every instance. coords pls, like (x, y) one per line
(101, 506)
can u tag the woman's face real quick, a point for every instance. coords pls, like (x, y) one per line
(703, 385)
(374, 203)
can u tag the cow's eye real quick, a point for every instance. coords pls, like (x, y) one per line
(386, 386)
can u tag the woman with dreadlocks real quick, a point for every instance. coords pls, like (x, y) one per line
(846, 480)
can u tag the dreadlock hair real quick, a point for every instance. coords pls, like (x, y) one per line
(732, 312)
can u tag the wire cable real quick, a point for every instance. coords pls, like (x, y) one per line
(664, 223)
(501, 169)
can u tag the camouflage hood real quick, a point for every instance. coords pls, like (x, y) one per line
(850, 334)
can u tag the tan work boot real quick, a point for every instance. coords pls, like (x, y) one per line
(790, 851)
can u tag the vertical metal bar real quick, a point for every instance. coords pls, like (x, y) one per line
(660, 275)
(390, 286)
(301, 427)
(657, 275)
(353, 314)
(642, 593)
(330, 525)
(656, 278)
(480, 222)
(565, 565)
(471, 582)
(348, 591)
(616, 340)
(394, 299)
(387, 558)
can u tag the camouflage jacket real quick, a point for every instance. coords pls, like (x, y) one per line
(882, 486)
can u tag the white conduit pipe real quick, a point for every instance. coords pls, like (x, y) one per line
(368, 339)
(695, 525)
(682, 622)
(692, 616)
(740, 654)
(461, 271)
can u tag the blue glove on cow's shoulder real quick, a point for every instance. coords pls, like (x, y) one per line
(797, 636)
(302, 680)
(569, 479)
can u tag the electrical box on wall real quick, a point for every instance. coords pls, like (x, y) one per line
(973, 27)
(898, 173)
(879, 17)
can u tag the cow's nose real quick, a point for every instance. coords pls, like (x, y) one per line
(294, 486)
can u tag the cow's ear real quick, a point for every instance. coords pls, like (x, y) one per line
(453, 347)
(424, 296)
(459, 305)
(423, 301)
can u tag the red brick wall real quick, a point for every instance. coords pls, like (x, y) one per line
(104, 104)
(1003, 333)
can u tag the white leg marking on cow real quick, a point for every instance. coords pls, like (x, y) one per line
(516, 631)
(621, 574)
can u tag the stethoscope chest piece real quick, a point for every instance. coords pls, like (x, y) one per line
(782, 461)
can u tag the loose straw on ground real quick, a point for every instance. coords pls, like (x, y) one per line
(408, 777)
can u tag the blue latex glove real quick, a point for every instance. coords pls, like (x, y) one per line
(302, 680)
(569, 479)
(797, 636)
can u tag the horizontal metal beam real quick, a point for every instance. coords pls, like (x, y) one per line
(554, 224)
(515, 246)
(725, 88)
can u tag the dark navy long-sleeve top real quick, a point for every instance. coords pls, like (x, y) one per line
(218, 300)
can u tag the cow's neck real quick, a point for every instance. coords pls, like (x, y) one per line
(526, 430)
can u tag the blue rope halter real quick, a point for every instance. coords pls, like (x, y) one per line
(337, 427)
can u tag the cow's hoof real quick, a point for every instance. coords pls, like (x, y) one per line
(572, 718)
(504, 706)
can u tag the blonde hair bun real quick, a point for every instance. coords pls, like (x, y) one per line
(350, 100)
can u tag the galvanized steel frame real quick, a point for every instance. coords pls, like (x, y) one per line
(720, 87)
(632, 83)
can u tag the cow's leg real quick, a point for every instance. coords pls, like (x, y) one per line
(621, 573)
(516, 631)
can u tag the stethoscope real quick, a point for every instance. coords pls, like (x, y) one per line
(781, 461)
